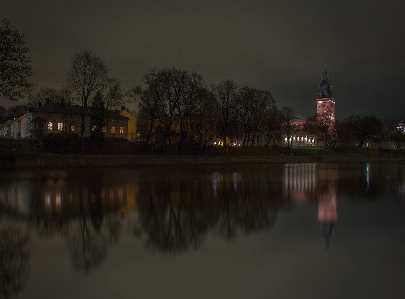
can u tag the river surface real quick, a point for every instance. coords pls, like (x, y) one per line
(314, 230)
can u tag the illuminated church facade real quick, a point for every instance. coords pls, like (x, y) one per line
(325, 113)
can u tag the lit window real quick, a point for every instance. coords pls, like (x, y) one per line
(94, 128)
(104, 129)
(48, 199)
(72, 128)
(50, 125)
(121, 130)
(60, 126)
(113, 129)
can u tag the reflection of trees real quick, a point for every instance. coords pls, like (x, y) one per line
(176, 213)
(176, 209)
(87, 245)
(96, 225)
(14, 261)
(249, 201)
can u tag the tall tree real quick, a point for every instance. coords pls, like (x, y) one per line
(114, 97)
(226, 94)
(363, 128)
(252, 106)
(18, 110)
(167, 103)
(15, 68)
(88, 75)
(97, 119)
(273, 121)
(44, 95)
(150, 101)
(206, 116)
(317, 124)
(287, 115)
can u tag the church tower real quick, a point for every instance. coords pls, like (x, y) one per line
(325, 104)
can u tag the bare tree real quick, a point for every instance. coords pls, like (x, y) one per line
(88, 75)
(18, 110)
(206, 116)
(319, 125)
(287, 125)
(252, 106)
(226, 95)
(273, 122)
(150, 105)
(363, 128)
(15, 68)
(114, 97)
(44, 95)
(167, 103)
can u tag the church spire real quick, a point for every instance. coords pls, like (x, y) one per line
(325, 89)
(325, 75)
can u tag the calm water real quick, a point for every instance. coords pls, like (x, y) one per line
(261, 231)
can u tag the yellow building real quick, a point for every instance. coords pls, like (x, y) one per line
(131, 124)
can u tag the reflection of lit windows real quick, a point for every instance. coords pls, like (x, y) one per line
(120, 193)
(50, 125)
(215, 183)
(111, 194)
(60, 126)
(113, 129)
(235, 181)
(48, 199)
(58, 199)
(121, 130)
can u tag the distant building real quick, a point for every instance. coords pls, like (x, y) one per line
(131, 135)
(5, 128)
(58, 118)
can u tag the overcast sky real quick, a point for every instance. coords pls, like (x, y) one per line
(280, 46)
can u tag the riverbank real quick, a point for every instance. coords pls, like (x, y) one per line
(21, 161)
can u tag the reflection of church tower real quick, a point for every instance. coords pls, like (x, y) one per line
(325, 104)
(327, 213)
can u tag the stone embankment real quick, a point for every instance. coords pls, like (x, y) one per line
(64, 161)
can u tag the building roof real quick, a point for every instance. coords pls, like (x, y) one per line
(325, 89)
(62, 108)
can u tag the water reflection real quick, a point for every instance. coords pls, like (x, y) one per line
(14, 260)
(170, 210)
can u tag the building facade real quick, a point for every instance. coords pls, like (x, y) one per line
(58, 118)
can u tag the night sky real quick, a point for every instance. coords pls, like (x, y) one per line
(280, 46)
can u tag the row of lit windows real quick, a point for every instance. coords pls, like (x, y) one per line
(112, 129)
(60, 126)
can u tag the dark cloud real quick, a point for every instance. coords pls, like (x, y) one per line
(281, 46)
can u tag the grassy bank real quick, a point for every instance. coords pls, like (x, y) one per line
(29, 154)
